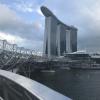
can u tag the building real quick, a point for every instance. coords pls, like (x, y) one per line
(79, 55)
(58, 37)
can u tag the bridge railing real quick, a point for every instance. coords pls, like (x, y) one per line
(17, 87)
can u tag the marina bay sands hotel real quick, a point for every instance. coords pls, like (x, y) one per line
(59, 38)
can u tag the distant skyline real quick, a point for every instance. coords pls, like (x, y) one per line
(22, 22)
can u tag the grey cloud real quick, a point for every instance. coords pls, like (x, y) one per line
(83, 14)
(37, 46)
(22, 5)
(11, 23)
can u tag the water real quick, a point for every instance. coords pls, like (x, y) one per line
(76, 84)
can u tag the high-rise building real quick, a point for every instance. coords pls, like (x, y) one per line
(58, 37)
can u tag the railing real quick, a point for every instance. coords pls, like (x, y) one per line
(17, 87)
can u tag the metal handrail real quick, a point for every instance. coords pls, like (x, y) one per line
(38, 90)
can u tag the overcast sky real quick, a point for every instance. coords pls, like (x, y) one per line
(22, 22)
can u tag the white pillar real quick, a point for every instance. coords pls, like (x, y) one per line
(58, 39)
(68, 41)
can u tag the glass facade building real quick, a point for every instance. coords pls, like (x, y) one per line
(58, 37)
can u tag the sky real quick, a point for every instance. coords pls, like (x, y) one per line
(22, 22)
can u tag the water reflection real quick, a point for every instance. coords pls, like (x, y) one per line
(77, 84)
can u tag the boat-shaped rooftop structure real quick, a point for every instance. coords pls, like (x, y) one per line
(58, 37)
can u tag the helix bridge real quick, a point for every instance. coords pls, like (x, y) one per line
(16, 60)
(11, 55)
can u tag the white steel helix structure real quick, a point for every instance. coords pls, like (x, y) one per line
(10, 54)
